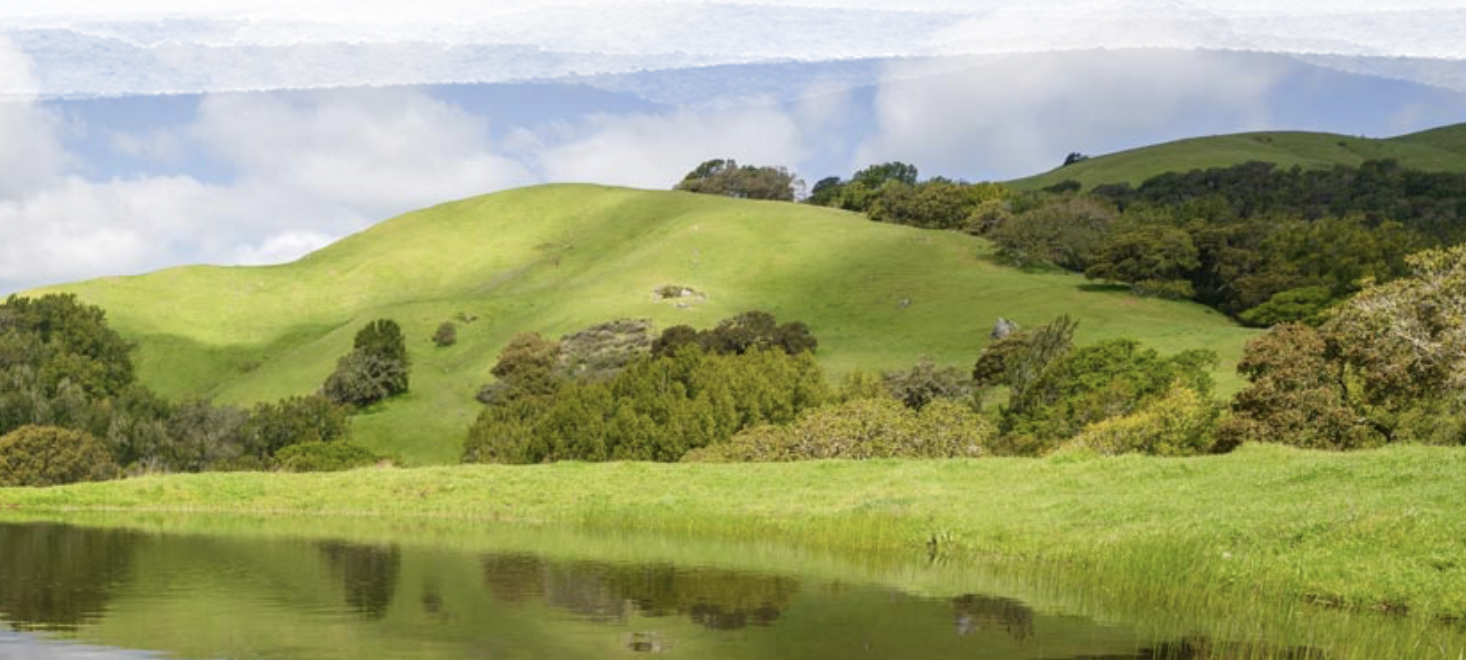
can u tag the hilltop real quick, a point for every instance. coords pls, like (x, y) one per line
(1440, 149)
(555, 259)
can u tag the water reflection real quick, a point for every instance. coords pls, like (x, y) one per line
(715, 599)
(974, 613)
(298, 598)
(54, 577)
(368, 574)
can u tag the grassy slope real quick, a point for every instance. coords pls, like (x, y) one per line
(1375, 530)
(1441, 149)
(554, 259)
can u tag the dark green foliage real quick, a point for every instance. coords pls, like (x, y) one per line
(1304, 305)
(875, 176)
(51, 456)
(201, 436)
(383, 339)
(446, 335)
(1074, 157)
(655, 409)
(726, 177)
(739, 334)
(63, 340)
(861, 429)
(826, 192)
(1066, 232)
(362, 378)
(296, 420)
(324, 457)
(925, 382)
(1156, 260)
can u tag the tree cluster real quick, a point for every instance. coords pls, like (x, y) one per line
(67, 387)
(726, 177)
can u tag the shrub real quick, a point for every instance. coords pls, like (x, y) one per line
(739, 334)
(926, 382)
(50, 456)
(1182, 423)
(446, 335)
(325, 457)
(362, 378)
(604, 349)
(274, 426)
(1297, 396)
(860, 429)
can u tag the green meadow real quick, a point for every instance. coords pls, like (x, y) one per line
(1374, 531)
(1441, 149)
(555, 259)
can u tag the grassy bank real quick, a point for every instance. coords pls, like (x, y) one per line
(1367, 531)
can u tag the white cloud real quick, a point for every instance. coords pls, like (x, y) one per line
(99, 47)
(305, 171)
(282, 247)
(1023, 115)
(656, 150)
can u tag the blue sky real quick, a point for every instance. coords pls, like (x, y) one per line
(139, 135)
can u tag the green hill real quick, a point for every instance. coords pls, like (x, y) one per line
(1441, 149)
(554, 259)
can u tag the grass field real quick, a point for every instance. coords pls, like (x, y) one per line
(554, 259)
(1441, 149)
(1377, 531)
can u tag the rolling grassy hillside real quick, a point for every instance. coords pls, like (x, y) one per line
(554, 259)
(1441, 149)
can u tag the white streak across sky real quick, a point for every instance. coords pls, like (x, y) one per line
(85, 48)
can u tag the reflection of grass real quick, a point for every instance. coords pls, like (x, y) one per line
(1367, 531)
(557, 259)
(1056, 593)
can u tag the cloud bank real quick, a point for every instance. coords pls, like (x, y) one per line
(91, 47)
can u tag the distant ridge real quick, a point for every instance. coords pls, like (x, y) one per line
(1436, 150)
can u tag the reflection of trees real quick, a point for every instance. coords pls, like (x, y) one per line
(368, 574)
(55, 577)
(717, 599)
(975, 613)
(1201, 648)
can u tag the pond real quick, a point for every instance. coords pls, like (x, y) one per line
(165, 587)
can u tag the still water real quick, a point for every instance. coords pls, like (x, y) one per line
(248, 590)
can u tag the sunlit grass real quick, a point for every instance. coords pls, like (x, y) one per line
(555, 259)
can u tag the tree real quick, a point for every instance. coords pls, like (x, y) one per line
(1021, 358)
(51, 456)
(1065, 232)
(362, 378)
(875, 176)
(383, 339)
(376, 368)
(1407, 338)
(726, 177)
(1074, 157)
(295, 420)
(1297, 396)
(1153, 259)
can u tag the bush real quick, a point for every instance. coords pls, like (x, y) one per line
(446, 335)
(274, 426)
(50, 456)
(362, 378)
(1183, 423)
(860, 429)
(926, 382)
(325, 457)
